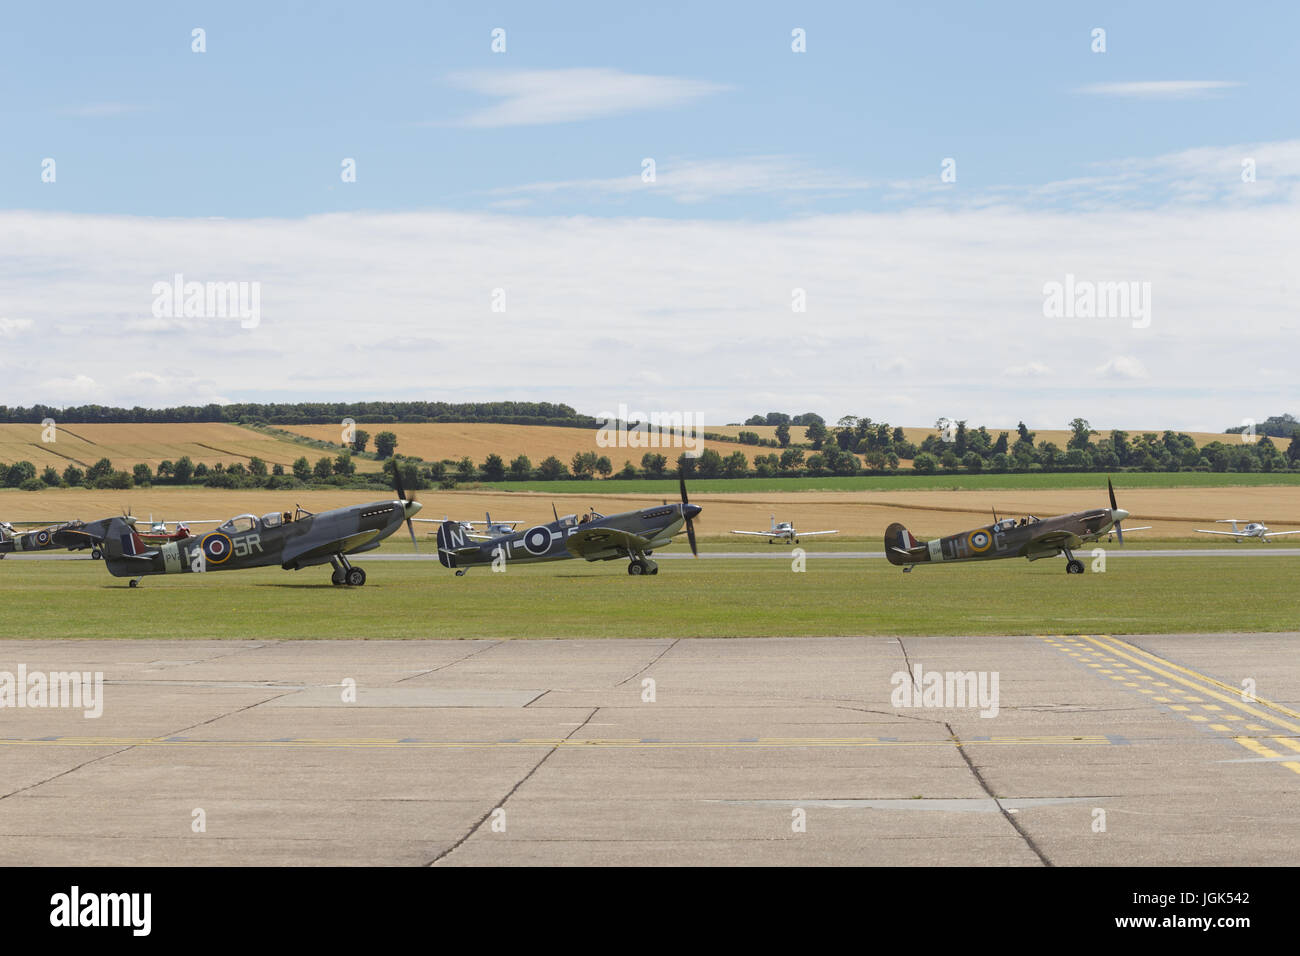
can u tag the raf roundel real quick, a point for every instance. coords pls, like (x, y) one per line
(979, 541)
(538, 540)
(216, 547)
(42, 537)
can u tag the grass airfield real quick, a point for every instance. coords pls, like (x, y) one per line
(712, 597)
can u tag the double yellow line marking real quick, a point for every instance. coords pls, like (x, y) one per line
(1184, 691)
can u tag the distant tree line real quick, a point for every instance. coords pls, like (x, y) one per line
(311, 413)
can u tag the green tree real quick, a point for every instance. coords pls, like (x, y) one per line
(18, 473)
(925, 464)
(654, 465)
(183, 472)
(783, 435)
(99, 470)
(324, 468)
(494, 469)
(521, 469)
(385, 444)
(343, 464)
(359, 440)
(1082, 434)
(816, 434)
(142, 475)
(73, 476)
(465, 469)
(302, 469)
(604, 467)
(257, 467)
(50, 476)
(710, 464)
(552, 469)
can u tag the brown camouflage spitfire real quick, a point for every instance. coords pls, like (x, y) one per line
(292, 540)
(1027, 537)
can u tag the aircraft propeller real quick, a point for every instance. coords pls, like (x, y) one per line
(1118, 513)
(690, 525)
(401, 494)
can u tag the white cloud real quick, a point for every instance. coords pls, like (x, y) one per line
(533, 97)
(1123, 367)
(1029, 370)
(691, 181)
(689, 314)
(1160, 89)
(12, 328)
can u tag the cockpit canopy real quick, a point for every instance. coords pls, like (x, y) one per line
(239, 524)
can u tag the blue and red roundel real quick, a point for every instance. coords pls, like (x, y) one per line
(216, 547)
(979, 540)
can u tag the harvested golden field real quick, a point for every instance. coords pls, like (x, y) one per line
(436, 442)
(128, 445)
(1173, 512)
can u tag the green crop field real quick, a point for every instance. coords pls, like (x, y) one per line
(710, 598)
(904, 482)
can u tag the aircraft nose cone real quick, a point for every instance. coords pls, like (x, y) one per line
(1119, 514)
(690, 511)
(412, 507)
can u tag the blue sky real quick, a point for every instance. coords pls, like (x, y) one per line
(521, 170)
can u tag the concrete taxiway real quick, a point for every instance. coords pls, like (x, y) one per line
(1133, 751)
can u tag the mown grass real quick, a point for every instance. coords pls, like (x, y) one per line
(709, 598)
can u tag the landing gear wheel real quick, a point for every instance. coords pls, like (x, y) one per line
(338, 576)
(355, 577)
(1074, 566)
(460, 573)
(96, 554)
(635, 568)
(133, 582)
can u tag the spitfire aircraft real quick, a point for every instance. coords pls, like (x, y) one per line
(631, 535)
(1253, 529)
(292, 540)
(784, 531)
(73, 535)
(1027, 537)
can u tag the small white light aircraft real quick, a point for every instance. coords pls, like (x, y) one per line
(491, 529)
(1253, 529)
(784, 531)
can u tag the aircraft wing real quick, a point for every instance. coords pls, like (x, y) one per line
(1052, 542)
(1230, 534)
(761, 534)
(809, 534)
(593, 541)
(309, 551)
(1278, 534)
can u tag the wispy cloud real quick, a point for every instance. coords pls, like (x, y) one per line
(535, 97)
(692, 181)
(1160, 89)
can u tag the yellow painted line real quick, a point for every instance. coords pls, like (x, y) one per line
(1231, 697)
(1288, 743)
(1254, 746)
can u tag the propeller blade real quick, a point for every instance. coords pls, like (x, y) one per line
(397, 481)
(681, 476)
(1111, 488)
(411, 528)
(554, 512)
(690, 536)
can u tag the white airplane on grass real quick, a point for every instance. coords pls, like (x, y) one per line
(492, 529)
(784, 531)
(1253, 529)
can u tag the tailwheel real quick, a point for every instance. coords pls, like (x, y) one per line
(1074, 566)
(134, 582)
(355, 577)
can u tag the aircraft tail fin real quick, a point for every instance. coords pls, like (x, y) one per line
(122, 541)
(452, 540)
(902, 547)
